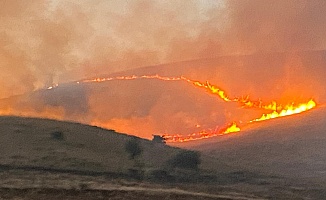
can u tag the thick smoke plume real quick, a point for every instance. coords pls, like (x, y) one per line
(43, 42)
(56, 41)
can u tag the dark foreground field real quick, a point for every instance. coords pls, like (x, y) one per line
(92, 163)
(53, 194)
(22, 184)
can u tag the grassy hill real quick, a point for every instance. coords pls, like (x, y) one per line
(29, 141)
(269, 161)
(292, 147)
(90, 163)
(284, 156)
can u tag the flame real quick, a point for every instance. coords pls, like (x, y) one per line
(232, 128)
(244, 102)
(53, 86)
(288, 110)
(191, 137)
(209, 87)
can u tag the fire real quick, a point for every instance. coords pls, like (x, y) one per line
(191, 137)
(213, 89)
(232, 128)
(210, 88)
(278, 110)
(288, 110)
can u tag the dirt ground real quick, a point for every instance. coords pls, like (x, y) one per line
(21, 184)
(59, 194)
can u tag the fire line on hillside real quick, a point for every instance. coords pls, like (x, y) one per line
(274, 109)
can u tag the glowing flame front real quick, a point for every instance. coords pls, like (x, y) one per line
(232, 128)
(288, 110)
(278, 110)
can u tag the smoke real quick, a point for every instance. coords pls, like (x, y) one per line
(145, 107)
(55, 41)
(36, 45)
(45, 42)
(293, 25)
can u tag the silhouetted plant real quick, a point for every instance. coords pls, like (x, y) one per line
(57, 135)
(158, 139)
(133, 148)
(186, 160)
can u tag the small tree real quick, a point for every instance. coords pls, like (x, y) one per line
(186, 160)
(57, 135)
(133, 148)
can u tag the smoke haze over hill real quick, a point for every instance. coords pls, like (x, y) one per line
(45, 42)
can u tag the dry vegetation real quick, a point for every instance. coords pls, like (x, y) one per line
(50, 159)
(41, 157)
(32, 142)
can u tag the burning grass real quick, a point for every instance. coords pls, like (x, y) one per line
(278, 110)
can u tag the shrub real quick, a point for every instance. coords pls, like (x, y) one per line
(158, 139)
(186, 160)
(57, 135)
(133, 148)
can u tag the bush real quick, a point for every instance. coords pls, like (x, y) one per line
(158, 139)
(57, 135)
(133, 148)
(186, 160)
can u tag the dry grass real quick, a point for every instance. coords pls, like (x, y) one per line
(27, 141)
(243, 164)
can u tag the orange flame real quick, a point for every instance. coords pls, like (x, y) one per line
(232, 128)
(278, 109)
(288, 110)
(190, 137)
(211, 88)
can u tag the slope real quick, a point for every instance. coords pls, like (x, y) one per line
(292, 147)
(30, 142)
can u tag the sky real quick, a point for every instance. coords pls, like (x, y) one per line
(46, 42)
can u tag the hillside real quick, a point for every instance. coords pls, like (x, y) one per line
(293, 147)
(34, 164)
(283, 157)
(29, 142)
(139, 106)
(91, 163)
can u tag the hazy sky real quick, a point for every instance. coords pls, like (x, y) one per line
(44, 42)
